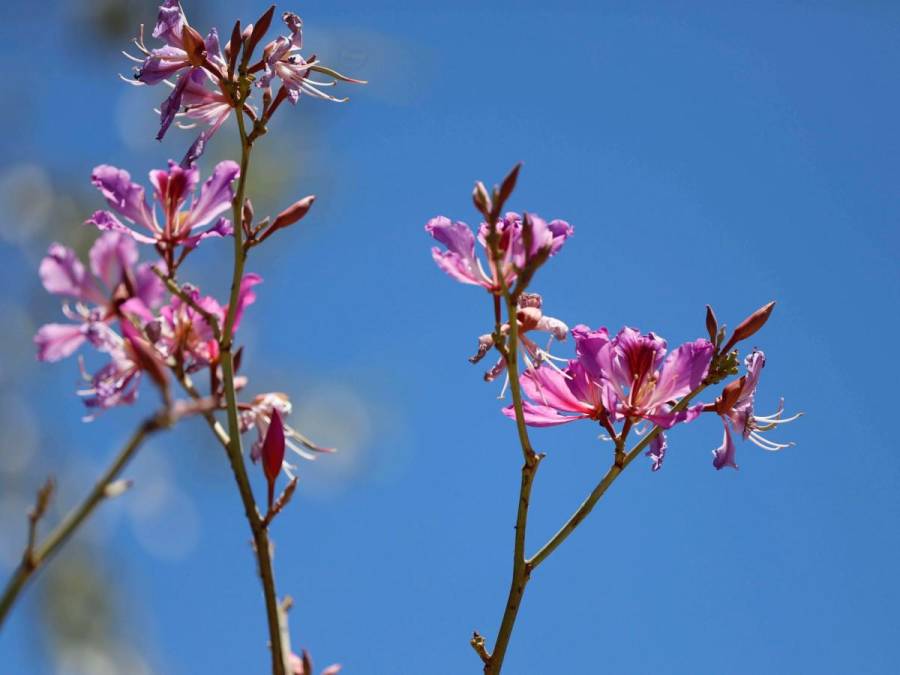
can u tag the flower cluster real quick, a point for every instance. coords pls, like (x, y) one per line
(140, 318)
(622, 382)
(137, 315)
(208, 82)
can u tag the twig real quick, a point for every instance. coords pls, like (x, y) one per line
(37, 555)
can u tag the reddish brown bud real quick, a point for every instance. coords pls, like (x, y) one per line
(259, 30)
(193, 45)
(247, 216)
(750, 325)
(712, 325)
(292, 214)
(233, 48)
(507, 187)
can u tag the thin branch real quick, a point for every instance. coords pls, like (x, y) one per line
(38, 554)
(607, 480)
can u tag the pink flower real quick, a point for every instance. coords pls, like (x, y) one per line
(638, 380)
(283, 61)
(559, 396)
(182, 333)
(516, 250)
(185, 54)
(113, 279)
(174, 225)
(735, 406)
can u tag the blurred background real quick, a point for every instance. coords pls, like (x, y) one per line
(722, 153)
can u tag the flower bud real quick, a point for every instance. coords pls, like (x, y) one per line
(481, 199)
(750, 325)
(233, 48)
(293, 213)
(247, 216)
(273, 452)
(506, 188)
(259, 30)
(712, 325)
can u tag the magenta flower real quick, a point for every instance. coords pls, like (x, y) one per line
(283, 61)
(735, 406)
(637, 379)
(259, 415)
(183, 334)
(99, 299)
(174, 226)
(559, 396)
(185, 54)
(461, 263)
(113, 278)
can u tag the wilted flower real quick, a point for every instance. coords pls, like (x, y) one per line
(175, 227)
(529, 318)
(259, 415)
(735, 406)
(517, 249)
(281, 59)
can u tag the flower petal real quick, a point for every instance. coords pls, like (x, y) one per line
(111, 255)
(215, 195)
(724, 455)
(62, 273)
(56, 341)
(107, 222)
(123, 196)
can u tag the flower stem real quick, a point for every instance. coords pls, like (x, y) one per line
(36, 556)
(262, 545)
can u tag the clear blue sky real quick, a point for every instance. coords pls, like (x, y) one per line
(722, 153)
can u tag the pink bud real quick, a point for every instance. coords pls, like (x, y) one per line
(273, 452)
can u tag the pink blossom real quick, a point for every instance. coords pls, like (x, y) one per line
(113, 278)
(172, 225)
(283, 61)
(735, 407)
(516, 250)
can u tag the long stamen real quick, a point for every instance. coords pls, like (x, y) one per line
(766, 444)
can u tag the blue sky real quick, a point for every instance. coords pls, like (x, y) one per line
(726, 154)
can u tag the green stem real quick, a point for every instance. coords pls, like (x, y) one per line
(262, 545)
(36, 557)
(607, 480)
